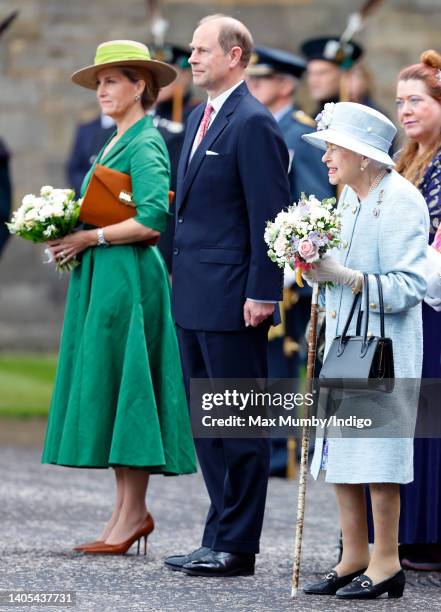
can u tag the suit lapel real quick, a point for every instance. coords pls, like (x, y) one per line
(216, 128)
(190, 135)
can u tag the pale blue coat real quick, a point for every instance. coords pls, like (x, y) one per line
(385, 234)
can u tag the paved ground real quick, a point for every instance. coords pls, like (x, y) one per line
(44, 510)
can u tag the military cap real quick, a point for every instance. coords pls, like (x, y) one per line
(329, 48)
(266, 61)
(172, 54)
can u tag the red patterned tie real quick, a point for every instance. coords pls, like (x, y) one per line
(205, 122)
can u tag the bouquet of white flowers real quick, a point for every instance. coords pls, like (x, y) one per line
(53, 214)
(301, 235)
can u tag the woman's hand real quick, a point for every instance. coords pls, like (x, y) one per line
(71, 245)
(329, 270)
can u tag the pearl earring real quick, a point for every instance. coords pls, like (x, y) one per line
(137, 97)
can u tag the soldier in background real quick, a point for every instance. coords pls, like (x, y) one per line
(5, 180)
(89, 139)
(174, 105)
(272, 78)
(327, 65)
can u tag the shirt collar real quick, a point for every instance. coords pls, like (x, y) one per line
(278, 116)
(219, 100)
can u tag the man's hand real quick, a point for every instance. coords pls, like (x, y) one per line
(256, 312)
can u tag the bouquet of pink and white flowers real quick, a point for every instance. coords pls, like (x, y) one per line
(302, 234)
(51, 215)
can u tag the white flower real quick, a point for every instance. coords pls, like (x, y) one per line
(49, 231)
(58, 197)
(324, 118)
(319, 213)
(46, 190)
(28, 200)
(31, 215)
(45, 212)
(280, 245)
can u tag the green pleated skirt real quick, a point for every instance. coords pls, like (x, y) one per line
(119, 397)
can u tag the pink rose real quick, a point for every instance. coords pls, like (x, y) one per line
(307, 250)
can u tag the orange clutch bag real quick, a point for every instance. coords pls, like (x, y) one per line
(108, 199)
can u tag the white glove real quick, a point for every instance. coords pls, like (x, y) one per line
(433, 278)
(329, 270)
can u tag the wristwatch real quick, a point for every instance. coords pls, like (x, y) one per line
(101, 241)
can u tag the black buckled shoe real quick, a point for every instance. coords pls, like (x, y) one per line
(176, 562)
(331, 583)
(363, 588)
(220, 564)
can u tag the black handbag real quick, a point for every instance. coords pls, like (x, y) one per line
(360, 361)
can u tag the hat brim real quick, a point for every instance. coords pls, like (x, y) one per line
(320, 138)
(163, 73)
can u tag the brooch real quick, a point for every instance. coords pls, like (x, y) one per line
(376, 210)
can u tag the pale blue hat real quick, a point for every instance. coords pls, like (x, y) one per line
(355, 127)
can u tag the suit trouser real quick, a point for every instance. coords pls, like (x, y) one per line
(235, 470)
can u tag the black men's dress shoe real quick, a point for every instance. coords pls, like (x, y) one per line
(363, 588)
(331, 583)
(178, 561)
(220, 564)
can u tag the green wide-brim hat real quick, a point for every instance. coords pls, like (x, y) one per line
(124, 54)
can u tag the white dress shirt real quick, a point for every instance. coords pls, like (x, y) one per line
(217, 104)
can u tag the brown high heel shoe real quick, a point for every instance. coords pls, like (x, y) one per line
(82, 547)
(120, 549)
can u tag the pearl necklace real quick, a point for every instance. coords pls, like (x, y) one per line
(377, 180)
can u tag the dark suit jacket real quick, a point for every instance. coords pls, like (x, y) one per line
(222, 204)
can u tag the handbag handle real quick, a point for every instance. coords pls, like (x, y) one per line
(381, 303)
(343, 336)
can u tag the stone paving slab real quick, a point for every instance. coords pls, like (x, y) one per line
(45, 510)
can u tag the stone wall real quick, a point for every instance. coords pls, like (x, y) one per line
(39, 107)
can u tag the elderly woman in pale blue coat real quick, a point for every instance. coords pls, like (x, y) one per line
(384, 231)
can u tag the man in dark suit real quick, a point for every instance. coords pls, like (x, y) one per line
(232, 178)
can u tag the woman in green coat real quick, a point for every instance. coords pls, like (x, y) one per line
(119, 398)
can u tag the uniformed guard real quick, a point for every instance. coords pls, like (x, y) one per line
(272, 78)
(5, 180)
(328, 61)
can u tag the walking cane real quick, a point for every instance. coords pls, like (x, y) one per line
(312, 341)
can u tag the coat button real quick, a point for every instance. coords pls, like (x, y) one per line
(175, 251)
(373, 305)
(180, 219)
(333, 314)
